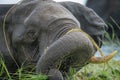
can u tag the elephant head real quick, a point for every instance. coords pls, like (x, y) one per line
(23, 36)
(41, 36)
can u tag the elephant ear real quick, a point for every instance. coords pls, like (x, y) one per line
(90, 22)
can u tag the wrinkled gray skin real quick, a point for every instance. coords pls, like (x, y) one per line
(36, 31)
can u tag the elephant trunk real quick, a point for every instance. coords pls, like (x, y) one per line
(74, 44)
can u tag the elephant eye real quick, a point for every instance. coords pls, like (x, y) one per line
(31, 34)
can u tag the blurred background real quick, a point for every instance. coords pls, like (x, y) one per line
(15, 1)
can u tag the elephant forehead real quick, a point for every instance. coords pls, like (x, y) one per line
(40, 14)
(46, 13)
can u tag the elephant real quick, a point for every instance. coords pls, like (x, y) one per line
(75, 9)
(46, 35)
(109, 11)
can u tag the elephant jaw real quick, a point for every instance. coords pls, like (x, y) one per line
(98, 60)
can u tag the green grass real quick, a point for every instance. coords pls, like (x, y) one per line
(106, 71)
(20, 74)
(112, 38)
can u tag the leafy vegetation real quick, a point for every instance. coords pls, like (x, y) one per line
(105, 71)
(20, 74)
